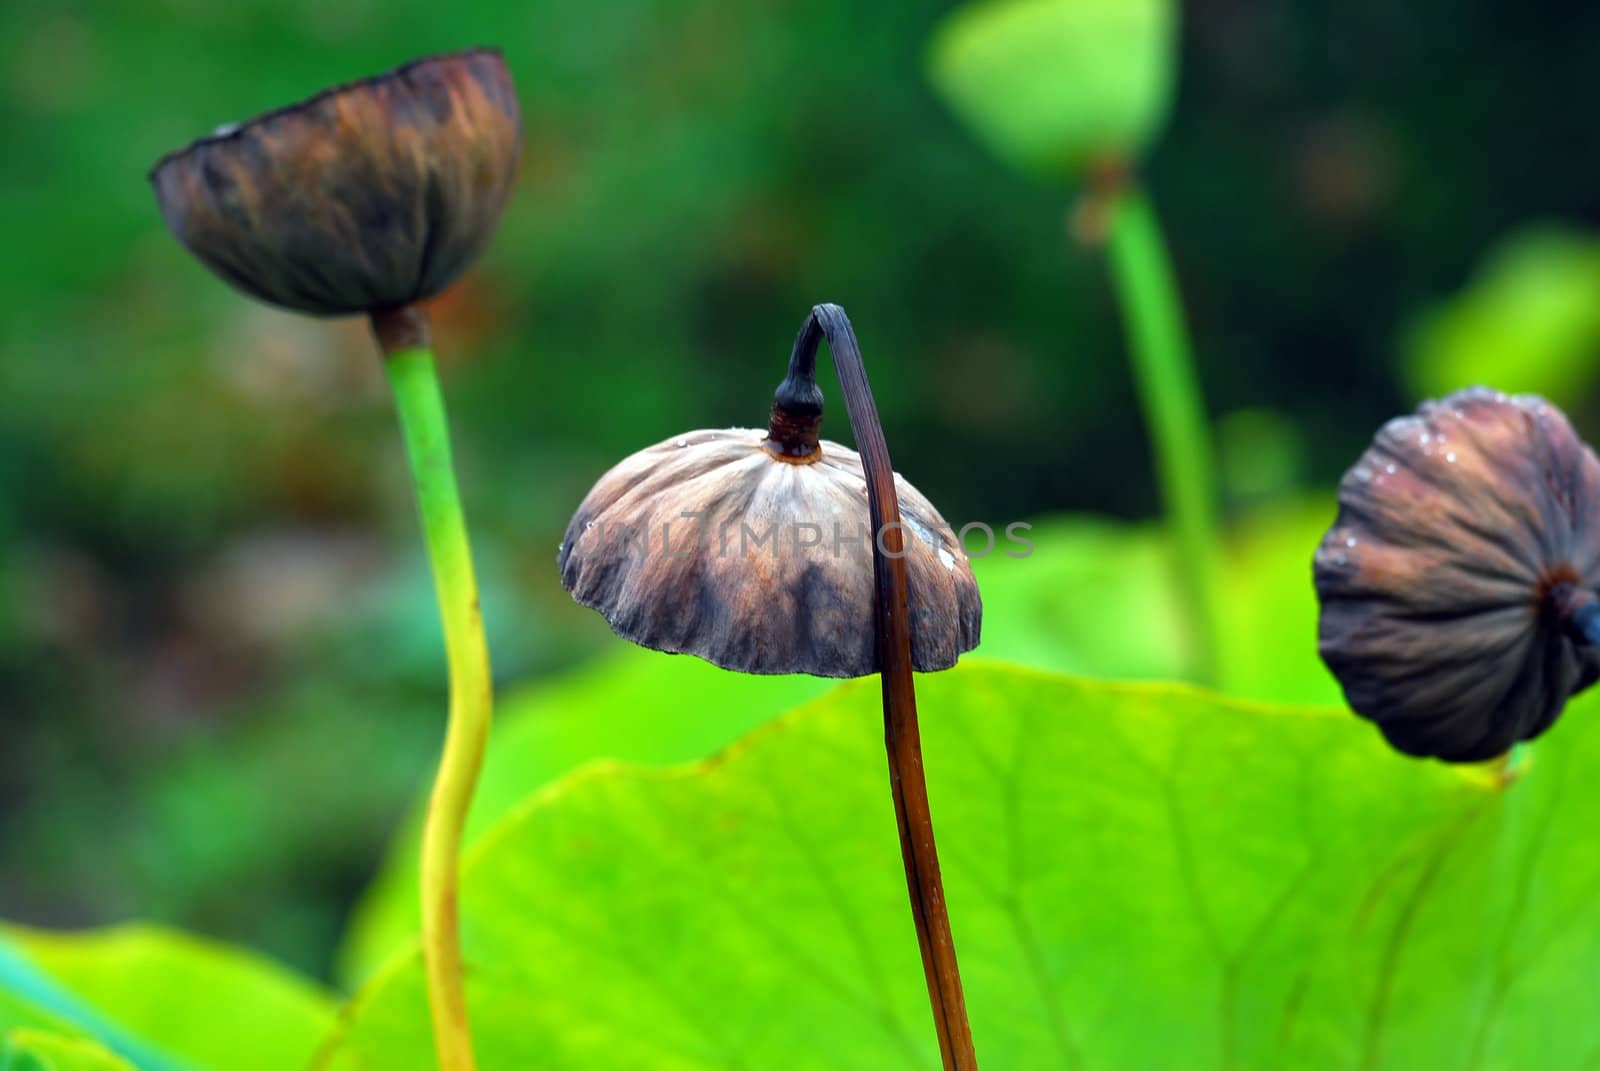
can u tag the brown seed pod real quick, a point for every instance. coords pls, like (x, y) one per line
(753, 552)
(367, 196)
(1457, 582)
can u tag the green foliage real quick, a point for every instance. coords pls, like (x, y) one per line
(150, 990)
(36, 1050)
(1133, 872)
(31, 998)
(1529, 321)
(1053, 86)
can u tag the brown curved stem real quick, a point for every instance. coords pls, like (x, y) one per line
(901, 737)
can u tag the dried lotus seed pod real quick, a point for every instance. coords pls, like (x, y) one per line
(1457, 582)
(368, 196)
(751, 549)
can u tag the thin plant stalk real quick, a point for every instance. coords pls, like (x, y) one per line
(902, 740)
(408, 360)
(1169, 392)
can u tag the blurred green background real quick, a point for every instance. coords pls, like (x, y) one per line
(221, 681)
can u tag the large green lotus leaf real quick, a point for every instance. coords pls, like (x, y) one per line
(1052, 85)
(192, 1004)
(1139, 877)
(633, 704)
(1529, 321)
(24, 1049)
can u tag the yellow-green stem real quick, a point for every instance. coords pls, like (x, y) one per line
(427, 437)
(1175, 416)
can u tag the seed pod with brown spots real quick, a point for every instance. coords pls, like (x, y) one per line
(368, 196)
(1458, 581)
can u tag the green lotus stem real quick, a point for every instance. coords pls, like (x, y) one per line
(1169, 393)
(411, 373)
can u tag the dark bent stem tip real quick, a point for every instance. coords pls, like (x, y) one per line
(798, 393)
(797, 404)
(793, 433)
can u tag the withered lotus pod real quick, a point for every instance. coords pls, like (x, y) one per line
(1458, 580)
(367, 196)
(753, 552)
